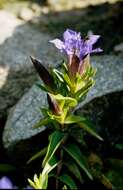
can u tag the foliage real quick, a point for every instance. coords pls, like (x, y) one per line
(68, 161)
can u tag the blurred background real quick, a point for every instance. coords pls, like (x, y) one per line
(54, 16)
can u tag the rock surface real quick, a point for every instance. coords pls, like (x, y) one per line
(119, 47)
(8, 24)
(26, 113)
(19, 40)
(26, 14)
(63, 4)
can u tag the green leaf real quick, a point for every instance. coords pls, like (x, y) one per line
(68, 181)
(105, 181)
(50, 165)
(83, 123)
(67, 80)
(87, 126)
(37, 155)
(56, 139)
(68, 101)
(58, 118)
(32, 184)
(39, 183)
(73, 119)
(42, 123)
(73, 168)
(44, 181)
(92, 71)
(76, 154)
(65, 67)
(58, 74)
(6, 168)
(85, 88)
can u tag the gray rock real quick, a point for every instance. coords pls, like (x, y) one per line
(26, 113)
(22, 41)
(8, 24)
(119, 47)
(19, 40)
(63, 4)
(26, 14)
(109, 77)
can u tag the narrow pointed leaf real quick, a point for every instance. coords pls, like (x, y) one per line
(86, 88)
(50, 165)
(105, 181)
(65, 67)
(56, 139)
(32, 183)
(43, 72)
(88, 127)
(73, 168)
(58, 74)
(74, 119)
(67, 79)
(76, 154)
(83, 123)
(37, 155)
(68, 181)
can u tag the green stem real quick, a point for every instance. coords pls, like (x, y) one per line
(59, 167)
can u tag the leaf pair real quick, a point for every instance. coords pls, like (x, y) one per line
(77, 155)
(59, 106)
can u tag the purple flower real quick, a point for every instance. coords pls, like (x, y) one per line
(73, 44)
(5, 183)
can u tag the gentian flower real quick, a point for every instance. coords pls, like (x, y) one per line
(5, 183)
(77, 49)
(73, 44)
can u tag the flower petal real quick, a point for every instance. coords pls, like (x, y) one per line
(5, 183)
(69, 34)
(93, 39)
(96, 50)
(58, 43)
